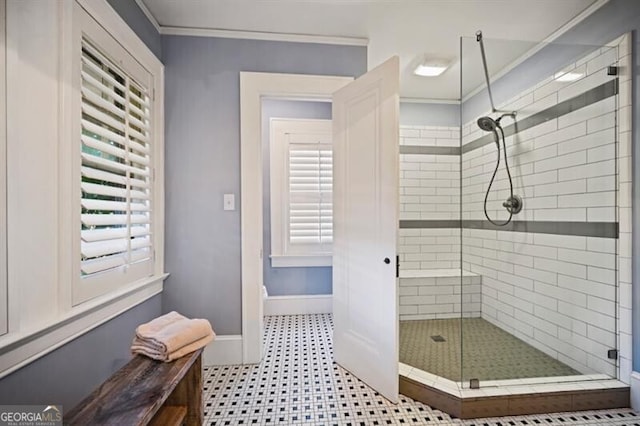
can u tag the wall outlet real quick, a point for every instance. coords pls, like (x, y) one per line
(229, 202)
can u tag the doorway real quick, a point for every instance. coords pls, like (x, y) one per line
(253, 88)
(365, 149)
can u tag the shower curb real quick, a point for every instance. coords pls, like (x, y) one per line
(515, 404)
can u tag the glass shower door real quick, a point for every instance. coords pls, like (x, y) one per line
(539, 287)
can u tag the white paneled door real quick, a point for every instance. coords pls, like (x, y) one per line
(365, 135)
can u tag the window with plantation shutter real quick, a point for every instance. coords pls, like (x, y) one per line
(310, 195)
(81, 174)
(301, 192)
(116, 172)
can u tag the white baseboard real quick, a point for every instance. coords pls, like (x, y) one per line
(635, 391)
(298, 305)
(224, 350)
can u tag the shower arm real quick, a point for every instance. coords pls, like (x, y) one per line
(480, 40)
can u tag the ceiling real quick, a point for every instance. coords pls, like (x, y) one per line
(407, 28)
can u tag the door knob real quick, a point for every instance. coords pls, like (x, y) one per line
(387, 261)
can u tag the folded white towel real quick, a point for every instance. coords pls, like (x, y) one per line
(177, 334)
(171, 336)
(140, 348)
(151, 328)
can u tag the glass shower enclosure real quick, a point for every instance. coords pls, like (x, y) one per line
(494, 296)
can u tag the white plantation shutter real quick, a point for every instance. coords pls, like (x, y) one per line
(310, 196)
(301, 196)
(116, 170)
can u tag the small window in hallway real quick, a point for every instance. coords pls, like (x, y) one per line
(301, 192)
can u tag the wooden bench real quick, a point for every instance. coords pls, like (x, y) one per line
(146, 392)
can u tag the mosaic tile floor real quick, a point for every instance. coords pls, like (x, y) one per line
(297, 383)
(489, 353)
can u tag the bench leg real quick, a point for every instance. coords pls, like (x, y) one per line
(188, 393)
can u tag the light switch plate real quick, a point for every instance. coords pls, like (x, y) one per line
(229, 202)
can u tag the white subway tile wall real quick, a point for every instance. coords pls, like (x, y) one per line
(557, 292)
(429, 190)
(439, 294)
(429, 248)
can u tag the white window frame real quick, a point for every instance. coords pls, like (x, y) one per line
(134, 58)
(87, 32)
(43, 313)
(283, 254)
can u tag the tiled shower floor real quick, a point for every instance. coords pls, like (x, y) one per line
(297, 383)
(483, 350)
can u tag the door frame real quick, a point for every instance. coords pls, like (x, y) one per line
(254, 87)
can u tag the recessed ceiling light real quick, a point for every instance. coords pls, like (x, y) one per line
(567, 76)
(431, 67)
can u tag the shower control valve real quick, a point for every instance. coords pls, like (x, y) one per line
(513, 204)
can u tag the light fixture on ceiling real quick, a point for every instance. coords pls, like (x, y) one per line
(429, 67)
(564, 77)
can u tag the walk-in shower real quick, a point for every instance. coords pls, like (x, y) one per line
(533, 302)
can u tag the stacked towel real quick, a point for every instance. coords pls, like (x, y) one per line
(171, 336)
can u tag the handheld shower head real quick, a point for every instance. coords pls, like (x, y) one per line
(487, 124)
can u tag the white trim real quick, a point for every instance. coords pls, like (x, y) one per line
(27, 346)
(253, 88)
(291, 261)
(224, 350)
(121, 31)
(148, 14)
(635, 391)
(429, 101)
(575, 20)
(286, 134)
(257, 35)
(4, 308)
(529, 53)
(298, 305)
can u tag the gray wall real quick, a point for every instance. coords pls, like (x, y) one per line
(69, 373)
(137, 20)
(288, 281)
(615, 18)
(202, 138)
(429, 114)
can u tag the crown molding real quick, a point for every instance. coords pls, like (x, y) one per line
(149, 15)
(256, 35)
(553, 36)
(429, 101)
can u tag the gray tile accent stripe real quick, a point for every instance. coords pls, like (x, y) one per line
(429, 150)
(582, 229)
(424, 224)
(610, 88)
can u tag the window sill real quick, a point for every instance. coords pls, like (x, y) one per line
(20, 348)
(301, 261)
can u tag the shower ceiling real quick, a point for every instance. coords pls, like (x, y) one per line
(407, 28)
